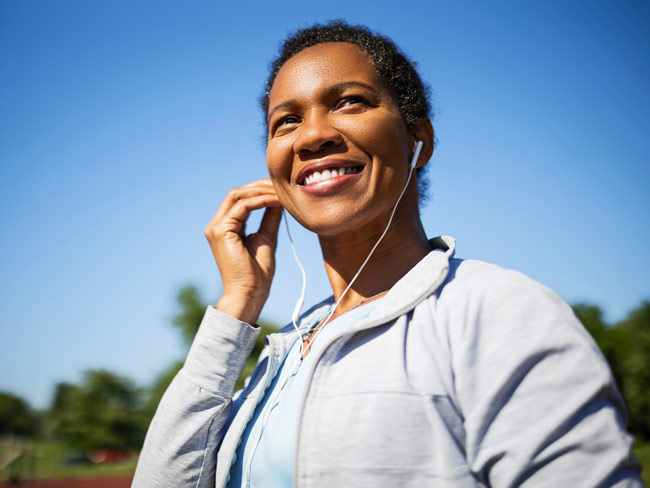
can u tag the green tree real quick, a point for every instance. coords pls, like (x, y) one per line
(191, 310)
(626, 345)
(105, 411)
(610, 339)
(635, 361)
(16, 418)
(159, 386)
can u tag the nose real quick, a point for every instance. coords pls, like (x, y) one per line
(315, 134)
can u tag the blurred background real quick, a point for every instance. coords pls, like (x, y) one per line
(123, 125)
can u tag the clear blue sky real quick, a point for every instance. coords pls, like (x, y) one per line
(123, 124)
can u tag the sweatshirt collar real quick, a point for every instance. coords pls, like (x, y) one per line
(416, 285)
(420, 282)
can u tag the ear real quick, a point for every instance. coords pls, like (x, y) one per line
(423, 131)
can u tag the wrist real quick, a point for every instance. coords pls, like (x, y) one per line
(244, 308)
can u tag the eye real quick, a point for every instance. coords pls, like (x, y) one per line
(351, 100)
(289, 119)
(285, 122)
(352, 104)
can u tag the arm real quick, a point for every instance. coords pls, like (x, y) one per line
(191, 420)
(540, 404)
(181, 444)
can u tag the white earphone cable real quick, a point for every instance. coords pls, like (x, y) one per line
(416, 154)
(297, 309)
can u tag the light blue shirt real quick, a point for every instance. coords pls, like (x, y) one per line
(267, 448)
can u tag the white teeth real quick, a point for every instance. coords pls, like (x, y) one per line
(326, 174)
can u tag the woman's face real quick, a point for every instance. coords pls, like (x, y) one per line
(338, 147)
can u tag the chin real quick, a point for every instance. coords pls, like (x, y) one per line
(322, 227)
(337, 224)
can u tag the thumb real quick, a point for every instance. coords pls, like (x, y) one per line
(270, 224)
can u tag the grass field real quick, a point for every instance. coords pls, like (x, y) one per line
(46, 460)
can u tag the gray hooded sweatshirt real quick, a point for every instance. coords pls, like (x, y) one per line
(464, 375)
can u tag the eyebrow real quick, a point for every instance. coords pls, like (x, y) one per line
(339, 87)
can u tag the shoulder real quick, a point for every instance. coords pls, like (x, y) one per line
(472, 277)
(484, 305)
(488, 288)
(523, 366)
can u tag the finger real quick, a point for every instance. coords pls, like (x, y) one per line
(232, 218)
(270, 223)
(236, 218)
(237, 194)
(260, 182)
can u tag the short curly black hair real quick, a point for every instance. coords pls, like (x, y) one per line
(393, 66)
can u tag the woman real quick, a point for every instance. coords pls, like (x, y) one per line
(422, 369)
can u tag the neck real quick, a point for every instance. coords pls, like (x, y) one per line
(404, 245)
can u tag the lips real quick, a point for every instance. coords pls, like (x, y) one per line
(325, 170)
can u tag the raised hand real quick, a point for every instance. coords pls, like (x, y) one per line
(246, 262)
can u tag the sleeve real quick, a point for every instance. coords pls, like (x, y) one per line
(540, 405)
(181, 443)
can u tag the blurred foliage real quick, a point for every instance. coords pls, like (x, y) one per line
(626, 345)
(608, 339)
(635, 359)
(192, 307)
(159, 386)
(641, 451)
(103, 412)
(16, 418)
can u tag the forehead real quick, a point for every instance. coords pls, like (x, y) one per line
(320, 66)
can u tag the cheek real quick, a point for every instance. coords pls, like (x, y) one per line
(278, 166)
(382, 135)
(279, 154)
(278, 161)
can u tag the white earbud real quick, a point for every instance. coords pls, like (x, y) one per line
(416, 153)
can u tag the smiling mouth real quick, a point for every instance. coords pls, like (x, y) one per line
(327, 174)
